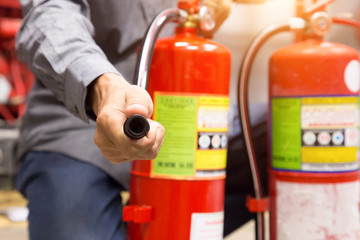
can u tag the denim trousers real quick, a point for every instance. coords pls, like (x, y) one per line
(69, 199)
(72, 200)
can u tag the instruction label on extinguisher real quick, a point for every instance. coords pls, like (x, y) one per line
(195, 140)
(315, 133)
(207, 226)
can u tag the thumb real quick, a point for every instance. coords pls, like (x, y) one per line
(138, 101)
(135, 108)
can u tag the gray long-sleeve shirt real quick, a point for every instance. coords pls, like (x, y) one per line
(67, 44)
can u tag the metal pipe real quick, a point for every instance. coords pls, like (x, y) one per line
(349, 22)
(147, 50)
(294, 23)
(137, 126)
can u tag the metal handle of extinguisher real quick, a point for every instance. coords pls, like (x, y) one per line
(137, 126)
(167, 15)
(242, 90)
(349, 22)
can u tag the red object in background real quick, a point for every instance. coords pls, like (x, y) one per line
(320, 72)
(15, 72)
(9, 4)
(9, 27)
(188, 4)
(184, 64)
(358, 29)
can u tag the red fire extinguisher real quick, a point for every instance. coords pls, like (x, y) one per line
(313, 130)
(180, 194)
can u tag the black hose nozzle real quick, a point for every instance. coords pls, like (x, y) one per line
(136, 126)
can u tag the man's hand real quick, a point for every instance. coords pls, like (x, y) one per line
(113, 100)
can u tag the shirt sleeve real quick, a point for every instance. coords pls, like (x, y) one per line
(56, 41)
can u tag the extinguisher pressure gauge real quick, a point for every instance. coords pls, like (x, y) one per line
(207, 19)
(320, 23)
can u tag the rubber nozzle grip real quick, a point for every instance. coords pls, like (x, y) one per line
(136, 126)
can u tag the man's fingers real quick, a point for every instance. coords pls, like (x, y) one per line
(111, 122)
(138, 101)
(126, 149)
(114, 105)
(159, 138)
(133, 109)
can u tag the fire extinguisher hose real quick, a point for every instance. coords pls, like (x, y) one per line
(137, 126)
(242, 97)
(349, 22)
(144, 60)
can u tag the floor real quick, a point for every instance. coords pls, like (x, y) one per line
(12, 205)
(10, 201)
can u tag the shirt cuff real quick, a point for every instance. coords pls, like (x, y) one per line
(80, 74)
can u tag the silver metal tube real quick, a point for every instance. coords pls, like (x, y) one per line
(243, 83)
(243, 109)
(137, 126)
(165, 16)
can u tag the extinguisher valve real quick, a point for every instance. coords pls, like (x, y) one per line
(136, 127)
(320, 23)
(206, 19)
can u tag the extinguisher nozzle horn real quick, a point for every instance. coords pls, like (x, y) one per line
(136, 127)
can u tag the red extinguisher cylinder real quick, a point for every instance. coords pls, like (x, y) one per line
(313, 141)
(184, 68)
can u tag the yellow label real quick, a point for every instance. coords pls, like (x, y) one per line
(213, 101)
(195, 135)
(212, 118)
(329, 100)
(315, 134)
(329, 154)
(208, 160)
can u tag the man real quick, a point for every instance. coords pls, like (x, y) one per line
(82, 54)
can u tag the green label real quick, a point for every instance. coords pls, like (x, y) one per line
(286, 133)
(178, 114)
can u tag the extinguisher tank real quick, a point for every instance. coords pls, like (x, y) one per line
(313, 141)
(189, 63)
(184, 186)
(313, 67)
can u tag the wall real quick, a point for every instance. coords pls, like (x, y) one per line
(247, 20)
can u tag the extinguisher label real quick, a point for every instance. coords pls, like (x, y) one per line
(196, 135)
(207, 226)
(315, 133)
(308, 211)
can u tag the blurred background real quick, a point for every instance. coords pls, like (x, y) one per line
(246, 20)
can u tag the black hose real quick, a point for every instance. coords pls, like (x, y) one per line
(136, 126)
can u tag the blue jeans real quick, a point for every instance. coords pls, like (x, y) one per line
(69, 199)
